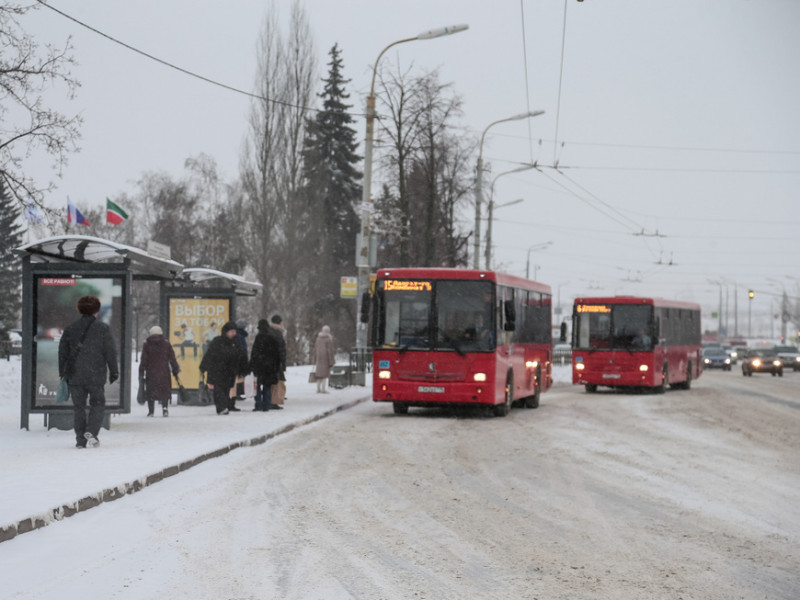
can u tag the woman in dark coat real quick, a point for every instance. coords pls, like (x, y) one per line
(222, 363)
(265, 364)
(157, 359)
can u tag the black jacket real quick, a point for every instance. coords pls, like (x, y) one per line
(97, 356)
(265, 357)
(222, 361)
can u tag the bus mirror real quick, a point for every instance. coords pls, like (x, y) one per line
(365, 301)
(511, 316)
(563, 336)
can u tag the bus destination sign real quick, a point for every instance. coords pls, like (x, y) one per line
(593, 308)
(391, 285)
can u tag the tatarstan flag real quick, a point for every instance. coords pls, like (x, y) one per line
(114, 213)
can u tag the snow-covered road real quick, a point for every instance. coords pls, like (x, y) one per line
(686, 495)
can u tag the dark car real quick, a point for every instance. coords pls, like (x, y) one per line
(715, 357)
(789, 355)
(762, 361)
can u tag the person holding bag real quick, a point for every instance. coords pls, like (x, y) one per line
(86, 356)
(158, 357)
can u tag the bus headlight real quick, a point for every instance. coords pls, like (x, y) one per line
(479, 377)
(384, 374)
(532, 364)
(580, 366)
(644, 368)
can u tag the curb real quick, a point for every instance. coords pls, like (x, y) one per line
(9, 532)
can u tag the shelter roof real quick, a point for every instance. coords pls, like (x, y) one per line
(87, 249)
(243, 287)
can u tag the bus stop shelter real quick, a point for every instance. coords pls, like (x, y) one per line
(56, 271)
(194, 307)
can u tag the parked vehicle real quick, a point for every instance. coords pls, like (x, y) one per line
(789, 355)
(715, 357)
(762, 361)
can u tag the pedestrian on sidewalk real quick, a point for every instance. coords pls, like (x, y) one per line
(241, 339)
(86, 356)
(222, 364)
(265, 364)
(156, 366)
(279, 388)
(324, 358)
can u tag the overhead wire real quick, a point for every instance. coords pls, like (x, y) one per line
(176, 67)
(527, 83)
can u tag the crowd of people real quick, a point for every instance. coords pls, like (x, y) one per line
(88, 359)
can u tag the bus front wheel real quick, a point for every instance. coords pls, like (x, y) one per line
(533, 401)
(591, 388)
(501, 410)
(400, 408)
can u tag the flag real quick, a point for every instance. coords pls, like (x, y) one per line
(74, 215)
(32, 213)
(114, 213)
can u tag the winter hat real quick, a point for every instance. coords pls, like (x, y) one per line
(241, 324)
(156, 330)
(228, 326)
(89, 305)
(263, 325)
(276, 319)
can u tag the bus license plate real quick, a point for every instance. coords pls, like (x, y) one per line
(611, 375)
(430, 389)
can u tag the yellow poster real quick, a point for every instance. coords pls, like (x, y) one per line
(193, 323)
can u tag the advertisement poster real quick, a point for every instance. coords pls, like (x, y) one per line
(57, 297)
(193, 323)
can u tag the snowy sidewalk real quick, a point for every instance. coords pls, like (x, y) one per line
(45, 478)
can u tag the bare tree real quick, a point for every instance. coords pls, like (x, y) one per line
(27, 124)
(426, 162)
(276, 212)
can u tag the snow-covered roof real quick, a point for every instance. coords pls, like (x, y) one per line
(239, 283)
(88, 249)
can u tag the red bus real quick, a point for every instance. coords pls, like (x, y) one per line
(456, 336)
(625, 341)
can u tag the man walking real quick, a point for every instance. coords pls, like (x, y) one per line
(86, 354)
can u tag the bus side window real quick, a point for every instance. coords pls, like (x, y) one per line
(510, 314)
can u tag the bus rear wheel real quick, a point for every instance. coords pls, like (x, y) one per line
(591, 388)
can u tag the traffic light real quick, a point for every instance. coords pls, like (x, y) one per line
(751, 294)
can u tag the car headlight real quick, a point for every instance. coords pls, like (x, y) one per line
(777, 363)
(727, 361)
(706, 360)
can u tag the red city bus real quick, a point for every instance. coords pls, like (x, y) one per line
(626, 341)
(456, 336)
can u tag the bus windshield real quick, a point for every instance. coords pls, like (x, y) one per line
(450, 315)
(614, 327)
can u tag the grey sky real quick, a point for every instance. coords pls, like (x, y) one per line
(680, 115)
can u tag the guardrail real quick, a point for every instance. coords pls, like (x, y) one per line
(562, 356)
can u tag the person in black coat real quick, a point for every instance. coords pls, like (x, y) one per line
(222, 363)
(86, 366)
(265, 364)
(241, 339)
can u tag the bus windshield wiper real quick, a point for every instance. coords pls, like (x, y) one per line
(451, 341)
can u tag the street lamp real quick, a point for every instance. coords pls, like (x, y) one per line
(490, 216)
(528, 261)
(750, 294)
(476, 244)
(366, 197)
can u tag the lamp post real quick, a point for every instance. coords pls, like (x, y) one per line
(528, 261)
(366, 197)
(476, 244)
(750, 294)
(490, 217)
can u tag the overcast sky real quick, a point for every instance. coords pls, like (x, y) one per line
(678, 118)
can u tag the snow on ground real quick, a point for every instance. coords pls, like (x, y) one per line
(43, 472)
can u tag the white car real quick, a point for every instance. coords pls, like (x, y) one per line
(790, 356)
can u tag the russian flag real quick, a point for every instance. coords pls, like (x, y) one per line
(74, 215)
